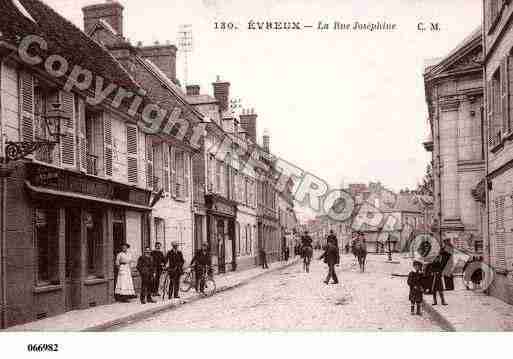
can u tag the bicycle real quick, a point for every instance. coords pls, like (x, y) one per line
(188, 281)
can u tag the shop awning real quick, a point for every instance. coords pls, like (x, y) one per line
(44, 192)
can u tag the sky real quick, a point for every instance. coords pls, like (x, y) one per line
(345, 106)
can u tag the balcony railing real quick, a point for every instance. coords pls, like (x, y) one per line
(92, 164)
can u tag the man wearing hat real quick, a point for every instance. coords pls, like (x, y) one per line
(175, 261)
(202, 263)
(146, 270)
(158, 262)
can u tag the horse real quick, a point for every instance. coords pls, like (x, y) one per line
(307, 253)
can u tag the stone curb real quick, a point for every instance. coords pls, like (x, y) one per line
(438, 317)
(172, 306)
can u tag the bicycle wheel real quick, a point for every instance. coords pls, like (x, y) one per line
(186, 282)
(164, 285)
(210, 287)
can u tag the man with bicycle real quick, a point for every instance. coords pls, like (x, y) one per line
(174, 261)
(202, 264)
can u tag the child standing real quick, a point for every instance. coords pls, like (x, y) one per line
(415, 284)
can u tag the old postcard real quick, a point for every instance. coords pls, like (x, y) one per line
(280, 165)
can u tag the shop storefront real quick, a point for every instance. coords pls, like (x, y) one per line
(62, 242)
(221, 214)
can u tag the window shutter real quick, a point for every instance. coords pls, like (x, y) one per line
(506, 125)
(83, 150)
(107, 136)
(500, 242)
(27, 107)
(167, 174)
(186, 164)
(149, 162)
(489, 112)
(68, 140)
(132, 154)
(174, 187)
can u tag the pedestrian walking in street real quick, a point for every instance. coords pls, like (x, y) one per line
(158, 262)
(174, 261)
(124, 290)
(331, 258)
(263, 259)
(416, 290)
(146, 270)
(437, 285)
(202, 263)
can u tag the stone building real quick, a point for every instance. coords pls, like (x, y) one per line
(497, 34)
(454, 96)
(168, 158)
(66, 208)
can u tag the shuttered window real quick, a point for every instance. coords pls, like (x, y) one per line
(506, 124)
(132, 154)
(82, 138)
(27, 106)
(68, 140)
(173, 168)
(107, 135)
(500, 238)
(157, 167)
(167, 172)
(149, 163)
(186, 174)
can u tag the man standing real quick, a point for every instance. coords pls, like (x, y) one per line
(174, 261)
(158, 262)
(146, 269)
(201, 263)
(263, 258)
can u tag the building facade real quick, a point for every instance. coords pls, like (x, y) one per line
(454, 95)
(498, 44)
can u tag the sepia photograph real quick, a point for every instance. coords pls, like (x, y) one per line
(230, 166)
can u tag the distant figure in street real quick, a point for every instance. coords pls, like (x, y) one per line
(416, 289)
(331, 257)
(174, 262)
(158, 262)
(124, 284)
(348, 247)
(263, 258)
(146, 270)
(202, 263)
(306, 251)
(286, 253)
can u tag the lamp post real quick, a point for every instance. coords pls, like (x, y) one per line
(14, 151)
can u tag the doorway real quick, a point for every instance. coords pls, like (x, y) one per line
(118, 238)
(73, 266)
(221, 246)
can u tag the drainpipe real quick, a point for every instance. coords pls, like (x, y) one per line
(4, 172)
(438, 166)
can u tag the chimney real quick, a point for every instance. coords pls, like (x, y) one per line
(222, 93)
(110, 11)
(163, 56)
(266, 141)
(248, 123)
(192, 90)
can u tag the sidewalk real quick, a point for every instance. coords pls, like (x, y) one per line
(467, 310)
(106, 316)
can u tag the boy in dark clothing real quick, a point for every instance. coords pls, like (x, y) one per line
(415, 284)
(201, 262)
(146, 269)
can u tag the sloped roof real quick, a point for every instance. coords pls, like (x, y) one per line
(63, 39)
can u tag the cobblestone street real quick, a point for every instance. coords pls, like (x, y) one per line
(290, 299)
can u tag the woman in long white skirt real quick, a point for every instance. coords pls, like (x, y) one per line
(124, 284)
